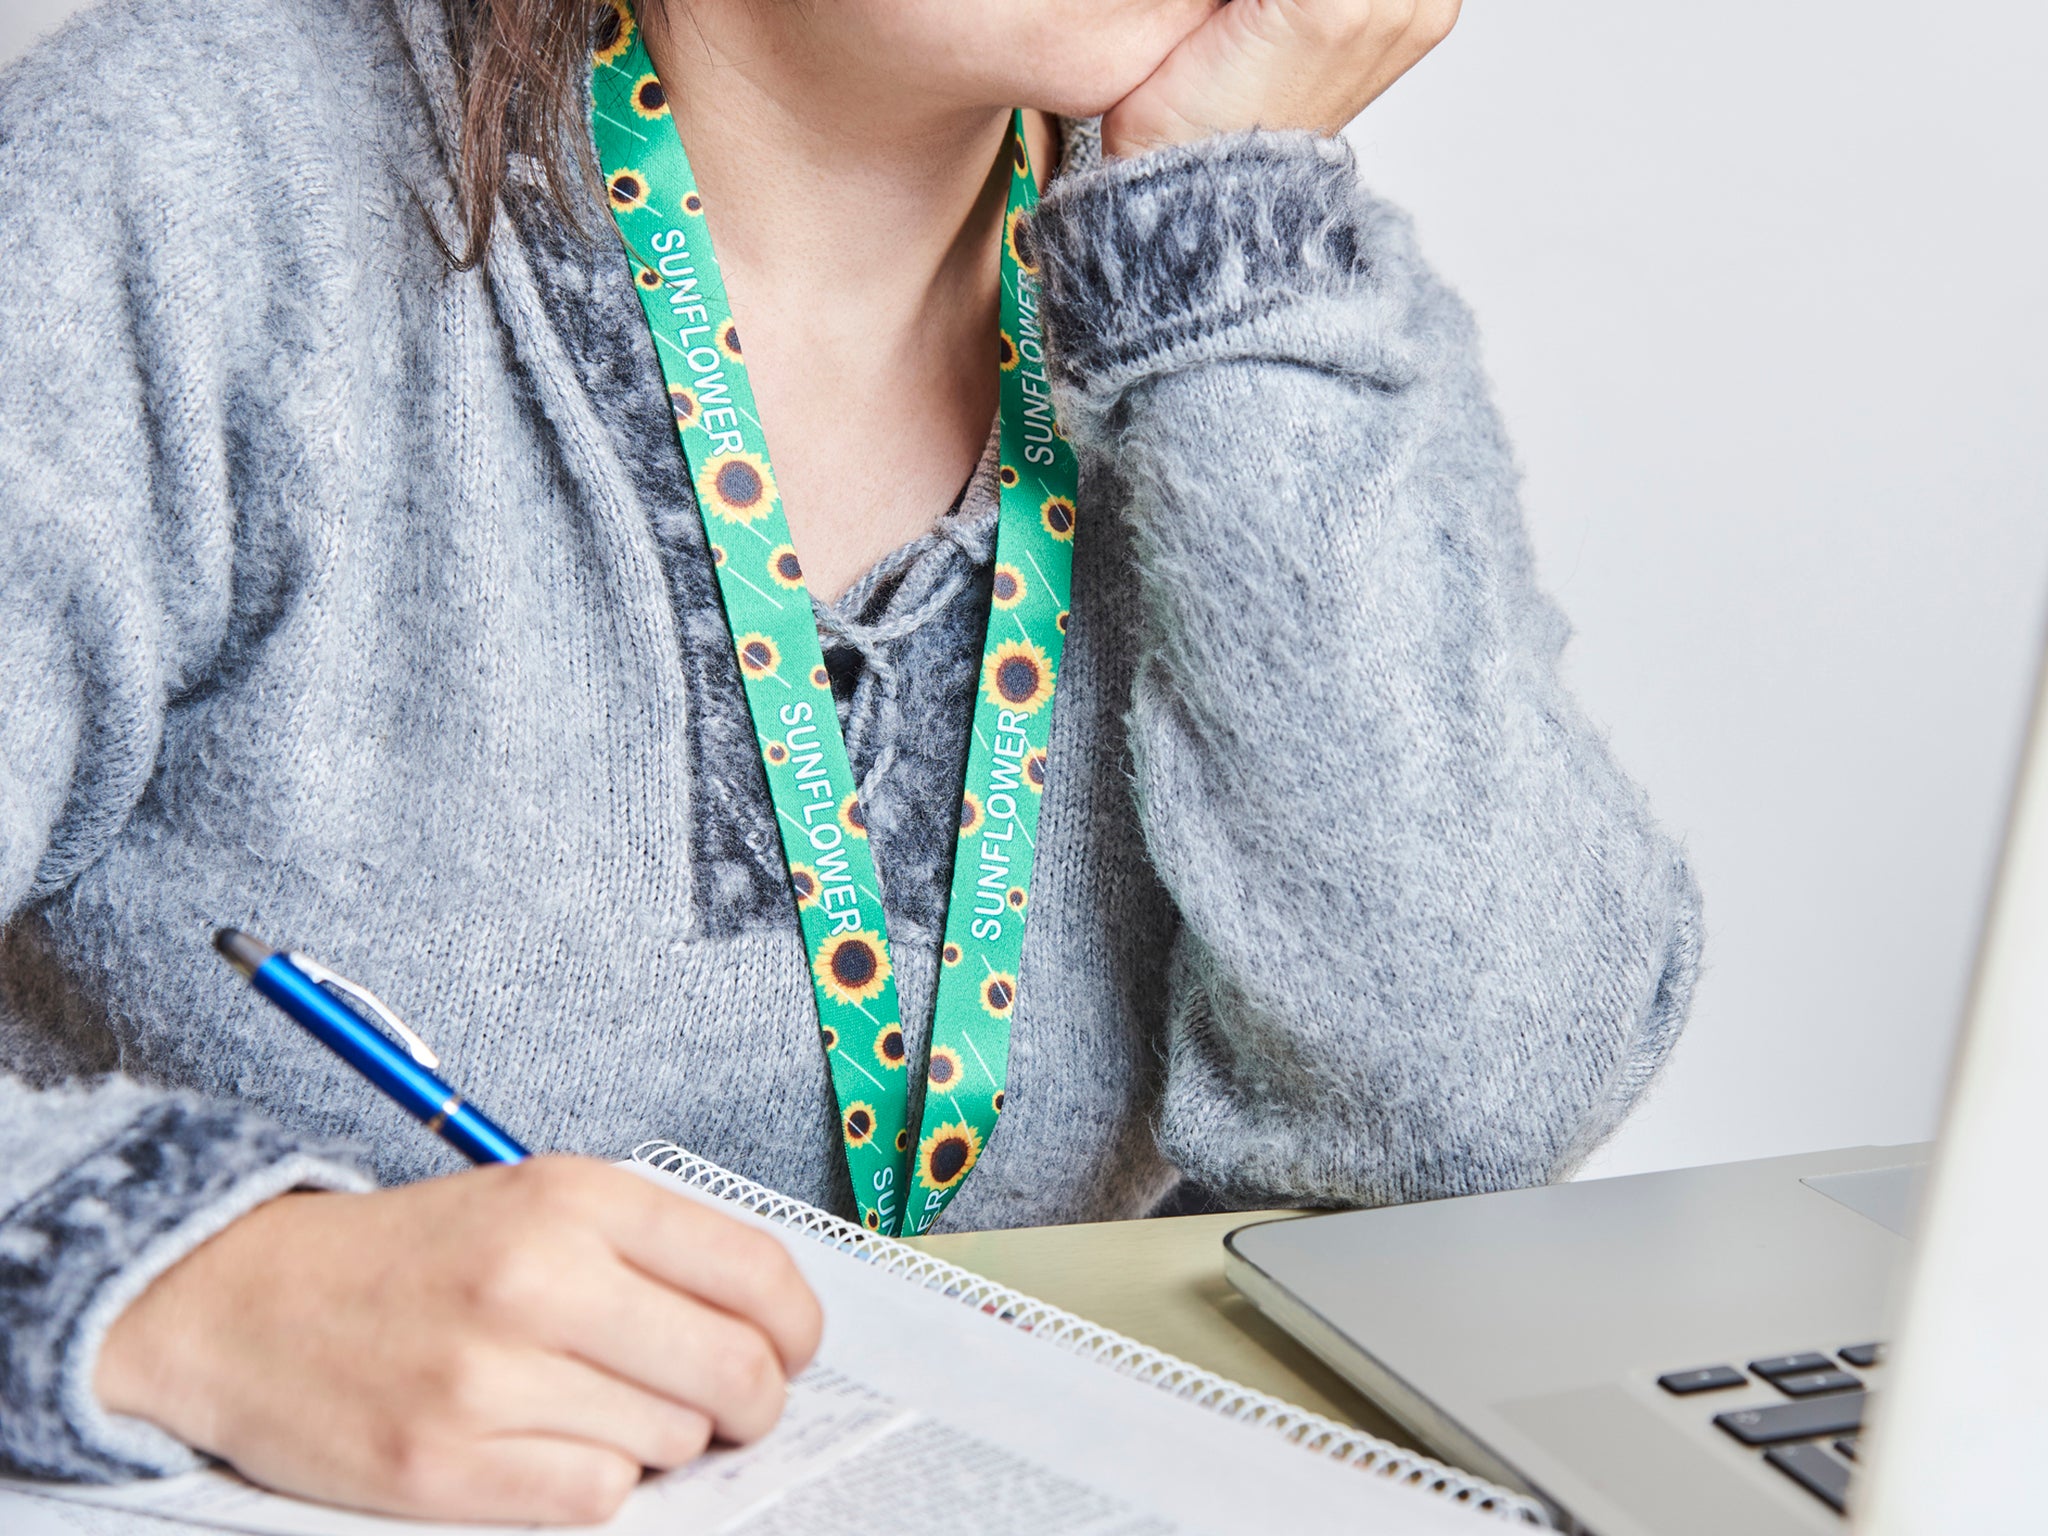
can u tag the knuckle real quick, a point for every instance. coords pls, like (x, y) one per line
(462, 1384)
(682, 1437)
(591, 1488)
(552, 1187)
(748, 1375)
(764, 1260)
(515, 1282)
(413, 1468)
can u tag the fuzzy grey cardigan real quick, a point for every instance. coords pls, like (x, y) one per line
(364, 604)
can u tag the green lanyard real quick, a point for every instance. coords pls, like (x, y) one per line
(900, 1182)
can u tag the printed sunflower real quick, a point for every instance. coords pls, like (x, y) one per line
(737, 486)
(804, 883)
(889, 1048)
(1017, 239)
(1017, 676)
(948, 1155)
(859, 1123)
(614, 34)
(852, 817)
(649, 99)
(942, 1074)
(999, 994)
(1057, 514)
(625, 189)
(758, 655)
(852, 968)
(1006, 591)
(785, 569)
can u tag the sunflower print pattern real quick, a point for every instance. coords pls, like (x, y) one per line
(649, 99)
(852, 819)
(948, 1155)
(738, 487)
(614, 35)
(626, 190)
(784, 569)
(903, 1174)
(1007, 589)
(759, 656)
(853, 968)
(859, 1123)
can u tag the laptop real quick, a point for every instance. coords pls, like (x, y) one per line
(1850, 1340)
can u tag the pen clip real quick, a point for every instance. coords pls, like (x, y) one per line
(320, 976)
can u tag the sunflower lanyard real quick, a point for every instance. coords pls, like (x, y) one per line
(661, 218)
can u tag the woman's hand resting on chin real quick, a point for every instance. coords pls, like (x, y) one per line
(508, 1344)
(1311, 64)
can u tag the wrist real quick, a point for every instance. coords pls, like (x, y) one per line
(159, 1356)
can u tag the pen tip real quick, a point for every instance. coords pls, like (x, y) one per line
(241, 951)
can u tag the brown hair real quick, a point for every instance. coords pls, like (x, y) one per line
(521, 68)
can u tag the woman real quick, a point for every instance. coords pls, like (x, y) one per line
(355, 592)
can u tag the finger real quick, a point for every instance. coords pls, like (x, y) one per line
(736, 1268)
(507, 1479)
(532, 1478)
(675, 1345)
(542, 1393)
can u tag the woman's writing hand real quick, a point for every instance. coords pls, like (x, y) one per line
(1277, 64)
(509, 1344)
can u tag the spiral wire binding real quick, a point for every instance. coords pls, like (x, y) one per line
(1077, 1335)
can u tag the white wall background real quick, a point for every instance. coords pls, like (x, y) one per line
(1764, 298)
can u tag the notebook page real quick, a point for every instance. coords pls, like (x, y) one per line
(923, 1414)
(973, 1377)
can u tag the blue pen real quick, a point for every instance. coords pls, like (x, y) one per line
(299, 986)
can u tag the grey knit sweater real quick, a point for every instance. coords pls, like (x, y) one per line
(364, 604)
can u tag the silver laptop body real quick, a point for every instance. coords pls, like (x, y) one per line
(1560, 1339)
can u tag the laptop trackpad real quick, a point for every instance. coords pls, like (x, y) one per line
(1888, 1196)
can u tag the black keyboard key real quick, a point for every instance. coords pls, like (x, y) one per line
(1812, 1469)
(1865, 1355)
(1708, 1378)
(1851, 1446)
(1836, 1413)
(1813, 1383)
(1791, 1365)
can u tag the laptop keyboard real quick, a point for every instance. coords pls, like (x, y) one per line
(1811, 1437)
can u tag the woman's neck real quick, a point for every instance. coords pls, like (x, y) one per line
(857, 228)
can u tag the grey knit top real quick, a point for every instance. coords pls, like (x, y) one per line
(364, 604)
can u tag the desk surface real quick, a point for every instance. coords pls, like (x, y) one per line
(1161, 1282)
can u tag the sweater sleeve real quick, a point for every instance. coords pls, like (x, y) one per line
(1432, 942)
(116, 575)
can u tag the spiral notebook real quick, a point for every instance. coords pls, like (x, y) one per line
(940, 1402)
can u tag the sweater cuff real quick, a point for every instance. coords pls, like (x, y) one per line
(1182, 255)
(79, 1250)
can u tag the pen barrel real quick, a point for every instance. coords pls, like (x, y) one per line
(477, 1137)
(371, 1052)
